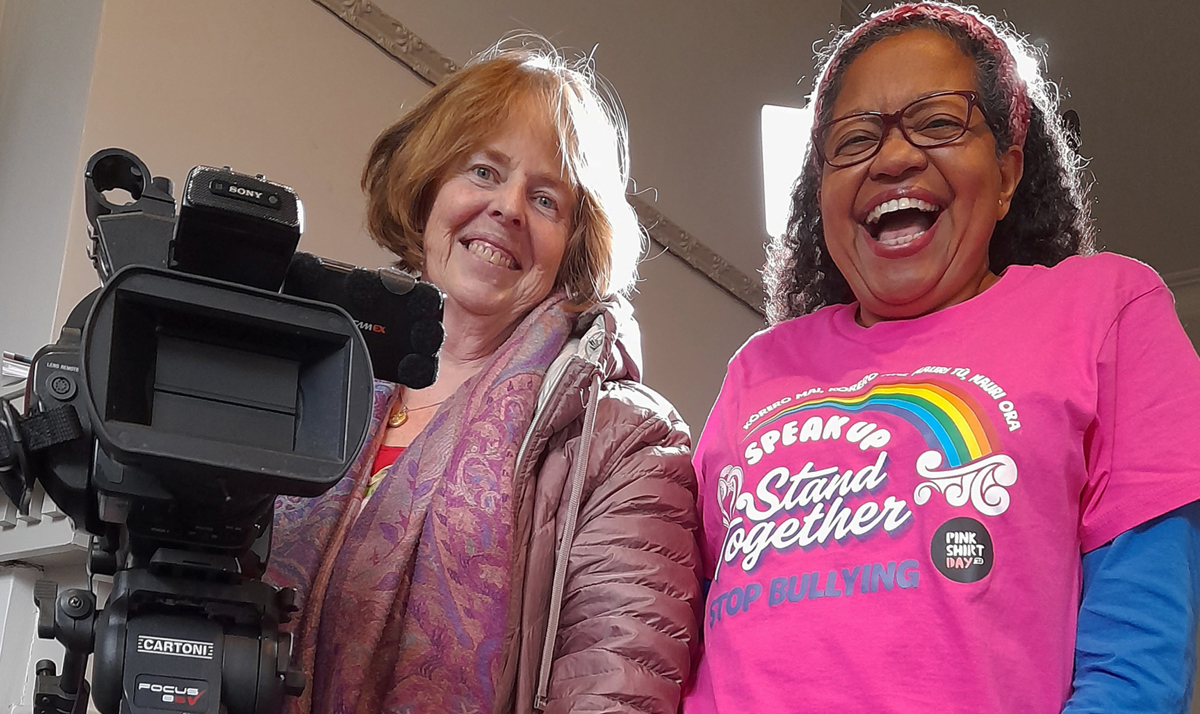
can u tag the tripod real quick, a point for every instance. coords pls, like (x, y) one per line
(185, 633)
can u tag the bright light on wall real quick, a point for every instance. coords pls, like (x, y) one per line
(784, 141)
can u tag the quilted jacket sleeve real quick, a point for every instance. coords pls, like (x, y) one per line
(628, 628)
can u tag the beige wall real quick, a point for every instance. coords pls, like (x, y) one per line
(690, 329)
(282, 87)
(278, 87)
(46, 51)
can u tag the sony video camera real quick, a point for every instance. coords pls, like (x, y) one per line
(215, 369)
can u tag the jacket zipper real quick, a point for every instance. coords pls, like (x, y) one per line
(578, 475)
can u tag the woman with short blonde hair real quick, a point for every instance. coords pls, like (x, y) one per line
(409, 161)
(520, 535)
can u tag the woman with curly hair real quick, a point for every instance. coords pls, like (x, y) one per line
(956, 474)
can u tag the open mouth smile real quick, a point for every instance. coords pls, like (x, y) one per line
(491, 253)
(900, 222)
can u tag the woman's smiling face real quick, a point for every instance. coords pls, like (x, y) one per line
(499, 226)
(929, 248)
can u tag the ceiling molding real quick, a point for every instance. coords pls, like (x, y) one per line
(689, 249)
(400, 43)
(393, 38)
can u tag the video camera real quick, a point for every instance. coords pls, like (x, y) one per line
(214, 369)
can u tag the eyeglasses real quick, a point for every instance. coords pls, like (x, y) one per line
(933, 120)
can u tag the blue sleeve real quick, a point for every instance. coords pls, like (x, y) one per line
(1135, 649)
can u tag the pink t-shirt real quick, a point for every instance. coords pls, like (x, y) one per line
(894, 516)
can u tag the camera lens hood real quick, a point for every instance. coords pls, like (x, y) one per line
(191, 377)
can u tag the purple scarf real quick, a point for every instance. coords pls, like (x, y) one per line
(405, 608)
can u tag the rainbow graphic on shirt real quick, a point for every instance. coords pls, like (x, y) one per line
(948, 419)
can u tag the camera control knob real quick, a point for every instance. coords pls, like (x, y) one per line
(74, 605)
(62, 386)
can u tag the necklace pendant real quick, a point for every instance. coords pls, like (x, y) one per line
(398, 417)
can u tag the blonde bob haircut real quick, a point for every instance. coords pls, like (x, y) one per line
(413, 158)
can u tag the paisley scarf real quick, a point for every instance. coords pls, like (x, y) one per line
(404, 607)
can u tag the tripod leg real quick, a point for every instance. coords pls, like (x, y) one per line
(69, 618)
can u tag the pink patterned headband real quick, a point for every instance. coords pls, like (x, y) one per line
(1009, 79)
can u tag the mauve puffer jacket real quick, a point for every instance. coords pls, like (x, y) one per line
(628, 574)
